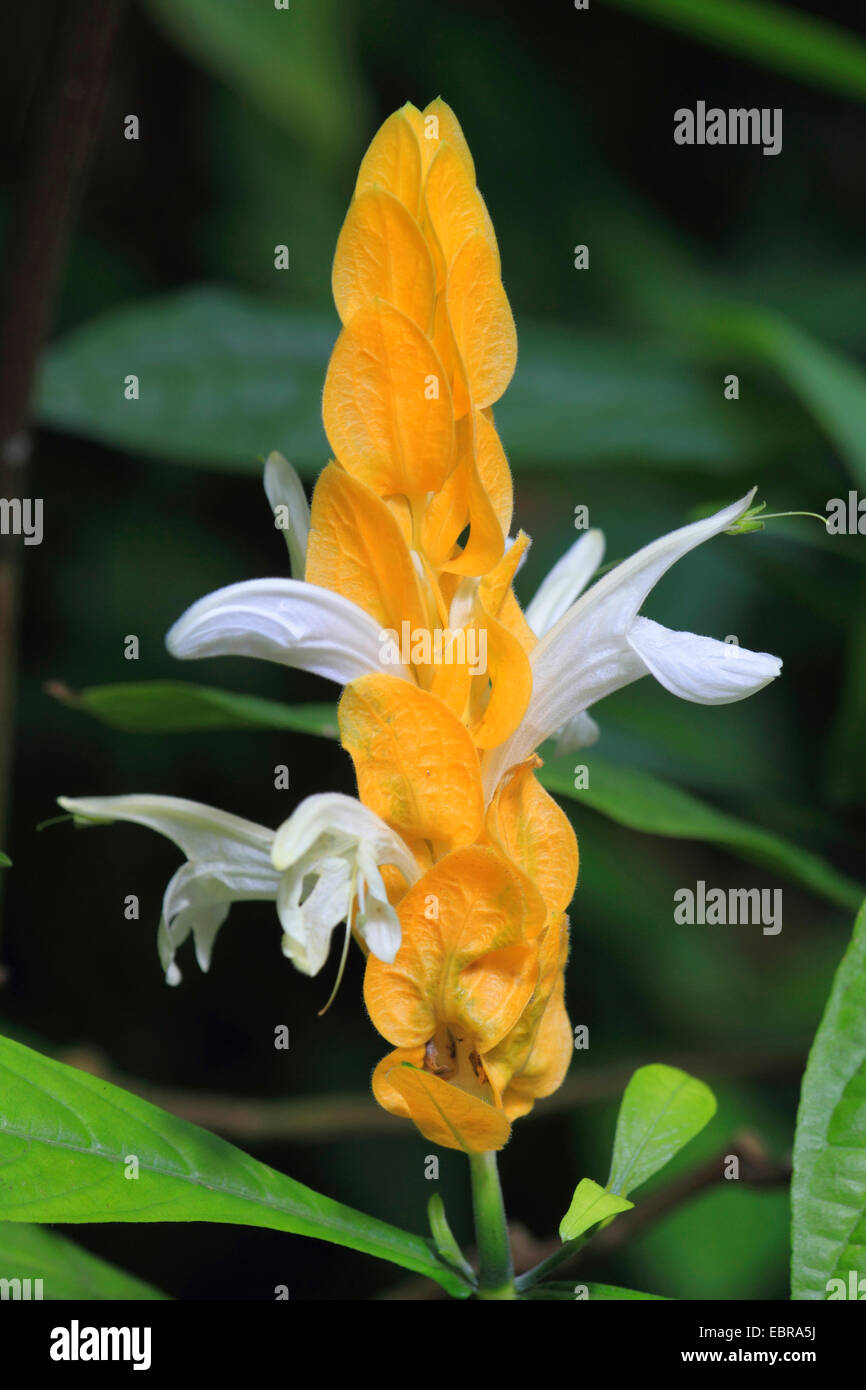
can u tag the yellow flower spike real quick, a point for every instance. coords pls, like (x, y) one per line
(447, 1116)
(393, 160)
(463, 500)
(386, 1094)
(387, 404)
(512, 1055)
(531, 1061)
(548, 1060)
(501, 705)
(421, 851)
(454, 207)
(452, 680)
(381, 254)
(535, 834)
(481, 321)
(357, 548)
(433, 126)
(401, 510)
(511, 617)
(446, 514)
(473, 1000)
(416, 764)
(467, 963)
(495, 586)
(443, 338)
(497, 989)
(493, 468)
(395, 887)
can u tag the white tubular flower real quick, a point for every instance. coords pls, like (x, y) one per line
(600, 644)
(329, 853)
(568, 579)
(228, 861)
(288, 501)
(287, 621)
(325, 856)
(553, 597)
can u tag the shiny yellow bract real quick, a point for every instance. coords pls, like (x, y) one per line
(410, 522)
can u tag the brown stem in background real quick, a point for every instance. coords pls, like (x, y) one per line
(318, 1119)
(42, 215)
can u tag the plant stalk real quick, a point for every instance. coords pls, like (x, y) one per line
(559, 1257)
(496, 1270)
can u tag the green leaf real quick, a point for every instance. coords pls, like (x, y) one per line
(5, 861)
(66, 1140)
(800, 45)
(662, 1109)
(584, 399)
(831, 386)
(562, 1291)
(66, 1269)
(225, 378)
(589, 1205)
(642, 801)
(174, 707)
(293, 64)
(828, 1193)
(445, 1240)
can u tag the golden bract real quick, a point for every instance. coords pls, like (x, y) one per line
(410, 522)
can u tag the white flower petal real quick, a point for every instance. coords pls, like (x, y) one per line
(579, 732)
(308, 925)
(587, 654)
(285, 490)
(200, 831)
(338, 845)
(630, 582)
(283, 620)
(701, 669)
(198, 899)
(229, 860)
(568, 578)
(587, 662)
(335, 823)
(382, 930)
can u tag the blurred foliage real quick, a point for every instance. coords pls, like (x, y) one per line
(67, 1271)
(301, 74)
(769, 33)
(702, 262)
(221, 375)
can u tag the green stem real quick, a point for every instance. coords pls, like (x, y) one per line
(496, 1271)
(559, 1257)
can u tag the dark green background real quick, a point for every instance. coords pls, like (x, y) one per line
(569, 116)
